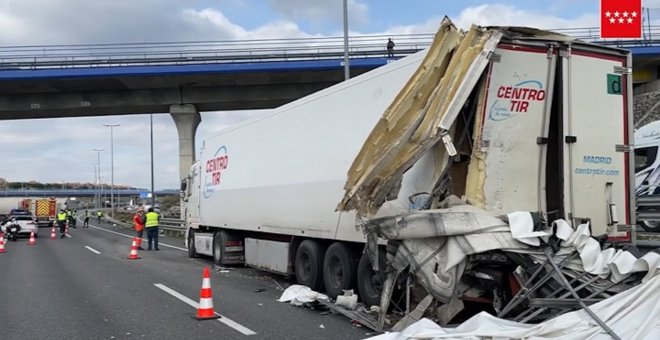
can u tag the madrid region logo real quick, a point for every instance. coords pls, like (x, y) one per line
(516, 99)
(213, 171)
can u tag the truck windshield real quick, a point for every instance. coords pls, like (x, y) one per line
(645, 157)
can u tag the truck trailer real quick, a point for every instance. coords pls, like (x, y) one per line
(547, 128)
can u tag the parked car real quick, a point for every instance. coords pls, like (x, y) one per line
(28, 224)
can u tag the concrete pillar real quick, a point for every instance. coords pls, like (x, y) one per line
(186, 119)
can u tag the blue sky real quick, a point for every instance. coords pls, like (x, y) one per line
(34, 146)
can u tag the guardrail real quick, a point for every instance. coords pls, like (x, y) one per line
(196, 52)
(172, 224)
(173, 227)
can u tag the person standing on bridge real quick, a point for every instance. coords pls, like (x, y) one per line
(138, 225)
(151, 224)
(390, 48)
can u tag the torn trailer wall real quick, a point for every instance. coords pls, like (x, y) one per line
(523, 129)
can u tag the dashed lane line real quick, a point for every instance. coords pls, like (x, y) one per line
(231, 323)
(93, 250)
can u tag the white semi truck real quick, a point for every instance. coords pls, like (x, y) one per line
(647, 168)
(553, 128)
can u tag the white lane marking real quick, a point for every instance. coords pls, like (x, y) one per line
(93, 250)
(129, 236)
(231, 323)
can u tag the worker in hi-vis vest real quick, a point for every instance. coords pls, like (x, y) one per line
(151, 225)
(61, 222)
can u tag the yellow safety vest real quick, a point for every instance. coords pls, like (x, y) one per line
(152, 220)
(61, 216)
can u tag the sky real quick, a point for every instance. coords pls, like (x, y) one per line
(61, 150)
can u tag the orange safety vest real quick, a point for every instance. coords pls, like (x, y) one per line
(137, 222)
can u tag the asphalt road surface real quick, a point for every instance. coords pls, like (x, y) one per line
(84, 287)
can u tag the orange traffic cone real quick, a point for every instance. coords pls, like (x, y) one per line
(2, 243)
(32, 241)
(205, 309)
(134, 254)
(53, 235)
(66, 228)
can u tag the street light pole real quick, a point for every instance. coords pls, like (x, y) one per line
(347, 73)
(98, 183)
(95, 181)
(112, 169)
(153, 195)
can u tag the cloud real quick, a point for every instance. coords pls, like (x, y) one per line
(81, 21)
(322, 10)
(218, 22)
(500, 15)
(505, 15)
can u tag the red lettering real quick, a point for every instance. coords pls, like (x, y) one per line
(520, 93)
(215, 178)
(217, 164)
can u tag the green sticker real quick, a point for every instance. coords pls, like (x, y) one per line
(613, 84)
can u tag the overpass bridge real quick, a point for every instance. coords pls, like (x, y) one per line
(184, 78)
(83, 192)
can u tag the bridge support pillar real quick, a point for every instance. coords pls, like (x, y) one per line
(187, 118)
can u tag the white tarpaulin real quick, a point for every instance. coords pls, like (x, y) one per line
(299, 295)
(612, 264)
(633, 314)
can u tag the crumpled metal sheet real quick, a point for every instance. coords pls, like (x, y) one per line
(418, 117)
(435, 243)
(439, 263)
(457, 220)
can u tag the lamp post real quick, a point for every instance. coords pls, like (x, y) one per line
(95, 181)
(347, 73)
(112, 169)
(98, 179)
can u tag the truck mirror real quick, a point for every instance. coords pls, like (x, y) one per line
(184, 185)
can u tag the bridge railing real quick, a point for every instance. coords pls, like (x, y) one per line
(80, 192)
(173, 53)
(197, 52)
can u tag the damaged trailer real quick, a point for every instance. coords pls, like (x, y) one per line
(533, 131)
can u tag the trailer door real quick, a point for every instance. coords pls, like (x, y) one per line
(595, 128)
(515, 117)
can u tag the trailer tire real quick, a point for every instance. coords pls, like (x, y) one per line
(192, 253)
(339, 269)
(369, 282)
(218, 246)
(309, 264)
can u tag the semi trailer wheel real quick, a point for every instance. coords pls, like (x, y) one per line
(309, 264)
(219, 246)
(191, 244)
(339, 269)
(369, 282)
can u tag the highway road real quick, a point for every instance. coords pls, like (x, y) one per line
(84, 287)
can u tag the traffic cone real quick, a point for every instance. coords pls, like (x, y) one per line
(32, 241)
(205, 309)
(53, 235)
(2, 243)
(134, 254)
(66, 228)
